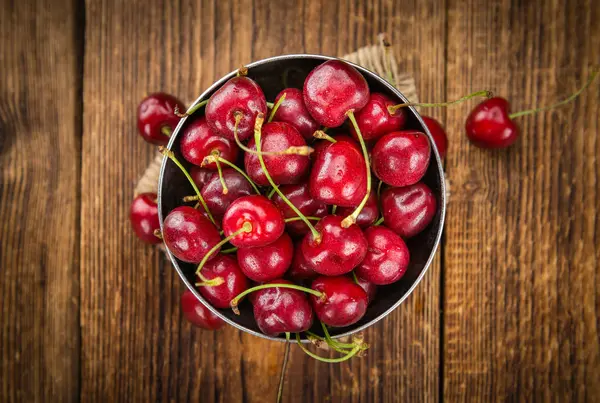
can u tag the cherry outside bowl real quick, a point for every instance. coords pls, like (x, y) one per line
(274, 74)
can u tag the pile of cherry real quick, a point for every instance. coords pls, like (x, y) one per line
(303, 204)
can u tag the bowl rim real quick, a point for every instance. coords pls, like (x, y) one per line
(438, 162)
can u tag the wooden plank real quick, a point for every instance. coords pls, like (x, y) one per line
(521, 259)
(40, 109)
(136, 345)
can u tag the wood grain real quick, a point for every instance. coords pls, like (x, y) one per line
(40, 115)
(136, 346)
(521, 259)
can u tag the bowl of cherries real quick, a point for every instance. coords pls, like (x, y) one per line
(297, 203)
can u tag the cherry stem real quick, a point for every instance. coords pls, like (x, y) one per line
(379, 222)
(270, 104)
(157, 233)
(275, 107)
(229, 250)
(320, 134)
(354, 277)
(591, 78)
(333, 209)
(246, 227)
(330, 341)
(191, 110)
(349, 355)
(221, 178)
(242, 72)
(387, 59)
(257, 140)
(379, 189)
(292, 219)
(235, 302)
(271, 193)
(163, 150)
(488, 94)
(166, 130)
(212, 158)
(286, 356)
(351, 219)
(292, 150)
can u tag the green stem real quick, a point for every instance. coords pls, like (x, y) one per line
(221, 178)
(333, 209)
(379, 189)
(271, 193)
(257, 140)
(354, 277)
(275, 107)
(338, 344)
(488, 94)
(229, 250)
(172, 157)
(270, 105)
(321, 135)
(379, 222)
(247, 227)
(351, 219)
(292, 219)
(166, 130)
(591, 78)
(191, 110)
(235, 302)
(211, 158)
(351, 354)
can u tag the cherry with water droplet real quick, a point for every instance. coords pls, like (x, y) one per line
(198, 141)
(212, 192)
(387, 257)
(143, 215)
(231, 280)
(374, 120)
(345, 302)
(293, 111)
(156, 117)
(408, 210)
(266, 263)
(300, 197)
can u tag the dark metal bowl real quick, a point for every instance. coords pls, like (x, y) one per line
(274, 74)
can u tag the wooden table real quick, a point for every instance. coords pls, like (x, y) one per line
(509, 312)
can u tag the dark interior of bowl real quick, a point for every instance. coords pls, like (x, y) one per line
(273, 75)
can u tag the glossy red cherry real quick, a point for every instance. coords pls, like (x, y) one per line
(438, 133)
(321, 145)
(490, 126)
(401, 158)
(284, 169)
(374, 120)
(212, 191)
(201, 176)
(156, 118)
(143, 215)
(387, 257)
(278, 310)
(268, 262)
(197, 314)
(345, 302)
(198, 141)
(188, 234)
(339, 249)
(300, 197)
(370, 289)
(338, 175)
(332, 89)
(408, 210)
(293, 111)
(234, 281)
(240, 95)
(300, 268)
(368, 215)
(266, 219)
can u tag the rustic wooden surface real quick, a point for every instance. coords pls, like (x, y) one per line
(510, 311)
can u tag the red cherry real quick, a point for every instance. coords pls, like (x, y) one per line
(268, 262)
(321, 145)
(401, 158)
(284, 169)
(143, 215)
(234, 281)
(212, 191)
(197, 314)
(332, 89)
(370, 289)
(438, 133)
(300, 197)
(189, 235)
(240, 95)
(374, 120)
(266, 220)
(345, 301)
(293, 111)
(201, 176)
(156, 117)
(387, 257)
(490, 126)
(368, 215)
(338, 175)
(199, 141)
(338, 251)
(300, 268)
(408, 210)
(278, 310)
